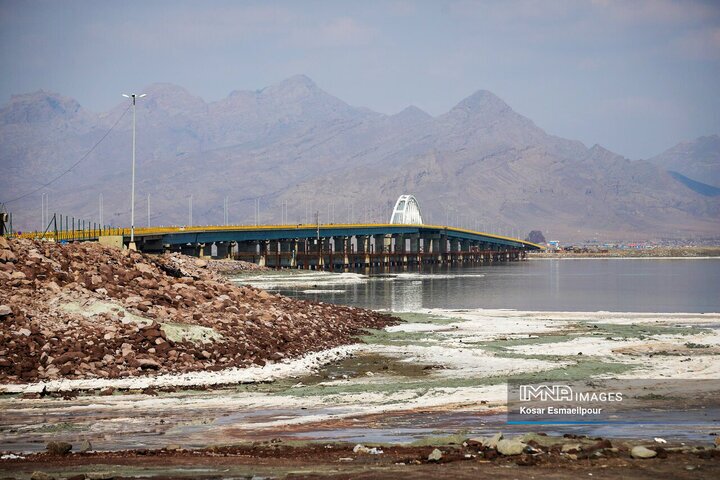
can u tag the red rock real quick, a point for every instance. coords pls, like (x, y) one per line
(7, 256)
(148, 364)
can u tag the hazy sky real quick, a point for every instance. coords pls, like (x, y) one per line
(634, 76)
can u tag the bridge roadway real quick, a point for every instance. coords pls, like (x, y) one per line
(333, 246)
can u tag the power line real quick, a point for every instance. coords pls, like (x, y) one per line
(74, 164)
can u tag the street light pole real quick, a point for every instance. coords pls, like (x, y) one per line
(190, 211)
(133, 96)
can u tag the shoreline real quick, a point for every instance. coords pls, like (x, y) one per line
(630, 257)
(451, 366)
(657, 252)
(550, 458)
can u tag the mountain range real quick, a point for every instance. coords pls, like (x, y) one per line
(295, 151)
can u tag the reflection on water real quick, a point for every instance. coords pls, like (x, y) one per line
(658, 285)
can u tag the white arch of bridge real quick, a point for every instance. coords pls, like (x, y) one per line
(406, 211)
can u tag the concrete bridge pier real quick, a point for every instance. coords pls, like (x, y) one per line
(263, 252)
(287, 253)
(341, 246)
(301, 250)
(222, 250)
(312, 254)
(465, 255)
(246, 251)
(455, 251)
(190, 249)
(444, 248)
(398, 248)
(363, 250)
(326, 257)
(380, 250)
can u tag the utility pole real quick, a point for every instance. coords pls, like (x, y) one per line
(148, 210)
(134, 97)
(101, 209)
(190, 211)
(319, 245)
(257, 211)
(225, 214)
(42, 212)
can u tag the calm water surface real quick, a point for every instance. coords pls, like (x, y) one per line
(631, 285)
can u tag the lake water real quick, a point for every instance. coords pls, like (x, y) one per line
(624, 285)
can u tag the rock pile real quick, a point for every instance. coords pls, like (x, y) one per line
(232, 267)
(89, 311)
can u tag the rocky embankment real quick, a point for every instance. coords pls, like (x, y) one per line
(89, 311)
(232, 267)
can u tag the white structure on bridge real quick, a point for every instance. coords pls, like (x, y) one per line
(406, 211)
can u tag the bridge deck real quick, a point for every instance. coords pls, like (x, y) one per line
(243, 233)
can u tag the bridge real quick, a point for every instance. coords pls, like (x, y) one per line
(334, 246)
(405, 241)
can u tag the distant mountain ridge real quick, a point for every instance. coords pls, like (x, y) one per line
(480, 165)
(698, 160)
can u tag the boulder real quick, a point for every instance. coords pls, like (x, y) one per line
(487, 442)
(41, 476)
(58, 448)
(148, 364)
(99, 476)
(571, 447)
(143, 268)
(5, 311)
(642, 452)
(435, 456)
(510, 447)
(7, 256)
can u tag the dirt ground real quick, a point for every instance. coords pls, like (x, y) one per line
(275, 460)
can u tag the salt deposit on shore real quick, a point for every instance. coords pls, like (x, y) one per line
(267, 373)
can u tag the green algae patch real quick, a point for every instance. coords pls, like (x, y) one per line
(58, 427)
(99, 307)
(411, 317)
(642, 331)
(501, 346)
(181, 332)
(401, 337)
(580, 370)
(383, 337)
